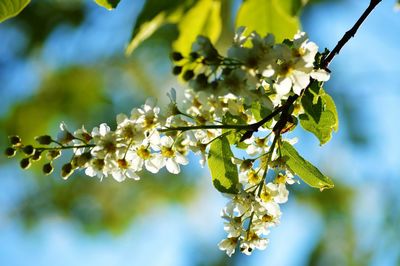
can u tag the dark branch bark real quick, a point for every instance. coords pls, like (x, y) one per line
(350, 33)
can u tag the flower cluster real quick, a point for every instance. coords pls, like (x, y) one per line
(250, 213)
(256, 67)
(228, 97)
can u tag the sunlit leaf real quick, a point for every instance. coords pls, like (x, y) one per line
(202, 19)
(331, 107)
(293, 7)
(267, 16)
(153, 16)
(224, 173)
(11, 8)
(108, 4)
(304, 169)
(320, 116)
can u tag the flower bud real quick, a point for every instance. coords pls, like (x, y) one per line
(188, 75)
(53, 154)
(86, 136)
(177, 70)
(47, 168)
(28, 149)
(82, 159)
(200, 83)
(25, 163)
(194, 56)
(176, 56)
(65, 137)
(66, 170)
(10, 152)
(44, 140)
(15, 140)
(37, 155)
(98, 164)
(74, 162)
(246, 164)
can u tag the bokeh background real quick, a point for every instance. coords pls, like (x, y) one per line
(64, 61)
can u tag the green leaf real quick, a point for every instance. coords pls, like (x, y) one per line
(11, 8)
(224, 173)
(320, 116)
(267, 16)
(153, 16)
(259, 110)
(330, 106)
(293, 7)
(256, 110)
(202, 19)
(108, 4)
(304, 169)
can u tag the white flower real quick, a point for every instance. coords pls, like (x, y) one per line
(96, 168)
(303, 49)
(239, 204)
(320, 75)
(233, 104)
(64, 136)
(148, 115)
(257, 145)
(196, 146)
(170, 157)
(253, 241)
(197, 105)
(233, 227)
(295, 66)
(268, 199)
(143, 156)
(81, 137)
(204, 136)
(105, 141)
(250, 177)
(122, 168)
(229, 245)
(129, 129)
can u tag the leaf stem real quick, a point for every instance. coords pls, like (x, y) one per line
(262, 182)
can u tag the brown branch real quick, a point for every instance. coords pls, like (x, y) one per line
(284, 109)
(350, 33)
(327, 60)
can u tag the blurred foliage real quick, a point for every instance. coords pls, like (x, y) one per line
(337, 240)
(108, 4)
(99, 206)
(11, 8)
(72, 93)
(207, 23)
(154, 15)
(41, 18)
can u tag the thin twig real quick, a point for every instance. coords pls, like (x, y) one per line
(350, 33)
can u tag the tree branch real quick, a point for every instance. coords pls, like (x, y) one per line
(327, 60)
(350, 33)
(251, 128)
